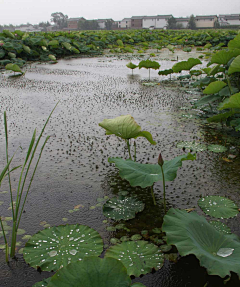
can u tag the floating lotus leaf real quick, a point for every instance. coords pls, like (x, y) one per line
(186, 65)
(125, 127)
(223, 56)
(92, 272)
(148, 64)
(122, 208)
(192, 146)
(131, 66)
(144, 175)
(214, 87)
(218, 206)
(232, 103)
(165, 72)
(221, 227)
(43, 283)
(55, 247)
(150, 84)
(235, 66)
(192, 234)
(139, 257)
(216, 148)
(14, 68)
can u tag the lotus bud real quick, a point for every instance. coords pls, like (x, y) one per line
(160, 160)
(1, 44)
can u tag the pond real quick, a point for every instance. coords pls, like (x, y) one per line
(74, 171)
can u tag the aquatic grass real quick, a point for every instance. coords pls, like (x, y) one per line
(18, 207)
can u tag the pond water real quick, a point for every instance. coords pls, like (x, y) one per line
(74, 170)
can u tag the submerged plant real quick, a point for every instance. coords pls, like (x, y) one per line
(126, 128)
(17, 206)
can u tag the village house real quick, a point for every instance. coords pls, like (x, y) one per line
(230, 19)
(156, 22)
(72, 23)
(126, 23)
(116, 25)
(182, 22)
(206, 21)
(137, 22)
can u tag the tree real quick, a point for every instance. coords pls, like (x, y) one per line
(216, 25)
(108, 24)
(44, 25)
(172, 23)
(60, 19)
(191, 23)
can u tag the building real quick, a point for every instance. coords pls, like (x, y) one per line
(205, 21)
(29, 28)
(183, 22)
(137, 22)
(126, 23)
(102, 23)
(116, 25)
(156, 22)
(72, 23)
(230, 19)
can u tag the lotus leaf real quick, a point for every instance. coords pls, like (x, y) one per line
(192, 146)
(27, 49)
(55, 247)
(232, 103)
(236, 124)
(148, 64)
(218, 206)
(225, 92)
(92, 272)
(132, 66)
(8, 34)
(235, 43)
(220, 117)
(223, 57)
(144, 175)
(53, 43)
(43, 283)
(235, 66)
(2, 53)
(186, 65)
(165, 72)
(125, 127)
(214, 87)
(52, 57)
(122, 208)
(221, 227)
(139, 257)
(206, 100)
(217, 148)
(192, 234)
(14, 68)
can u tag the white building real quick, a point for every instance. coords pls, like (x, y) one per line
(182, 22)
(157, 22)
(126, 23)
(230, 19)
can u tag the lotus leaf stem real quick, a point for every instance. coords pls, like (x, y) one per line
(164, 190)
(129, 151)
(135, 151)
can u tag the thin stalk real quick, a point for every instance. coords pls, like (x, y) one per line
(229, 85)
(129, 151)
(164, 190)
(5, 240)
(153, 196)
(135, 151)
(149, 74)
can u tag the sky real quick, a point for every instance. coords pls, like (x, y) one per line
(18, 12)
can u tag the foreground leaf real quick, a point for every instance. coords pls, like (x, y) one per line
(146, 174)
(92, 272)
(55, 247)
(218, 206)
(223, 57)
(232, 103)
(122, 208)
(214, 87)
(235, 66)
(192, 234)
(139, 257)
(125, 127)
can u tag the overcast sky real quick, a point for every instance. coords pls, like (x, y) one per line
(34, 11)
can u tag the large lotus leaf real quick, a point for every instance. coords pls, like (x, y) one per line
(67, 46)
(43, 283)
(125, 127)
(206, 100)
(186, 65)
(192, 146)
(139, 174)
(220, 117)
(14, 68)
(226, 92)
(55, 247)
(218, 206)
(132, 66)
(148, 64)
(223, 56)
(139, 257)
(235, 66)
(221, 227)
(235, 43)
(8, 34)
(192, 234)
(165, 72)
(214, 87)
(122, 208)
(92, 272)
